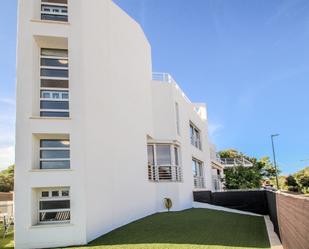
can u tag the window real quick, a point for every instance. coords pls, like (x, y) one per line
(177, 118)
(54, 10)
(54, 154)
(197, 170)
(54, 95)
(54, 206)
(195, 136)
(163, 162)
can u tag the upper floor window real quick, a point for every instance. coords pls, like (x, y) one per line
(163, 162)
(195, 136)
(54, 71)
(54, 205)
(198, 175)
(54, 10)
(54, 154)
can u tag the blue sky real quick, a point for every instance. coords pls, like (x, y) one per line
(248, 60)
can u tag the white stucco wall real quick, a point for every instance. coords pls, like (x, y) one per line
(114, 106)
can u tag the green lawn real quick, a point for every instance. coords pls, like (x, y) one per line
(189, 229)
(8, 241)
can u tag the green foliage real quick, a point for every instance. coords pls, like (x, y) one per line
(292, 184)
(291, 181)
(302, 177)
(247, 177)
(7, 179)
(241, 177)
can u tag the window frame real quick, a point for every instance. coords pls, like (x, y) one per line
(174, 169)
(54, 149)
(198, 173)
(54, 6)
(53, 198)
(65, 112)
(195, 136)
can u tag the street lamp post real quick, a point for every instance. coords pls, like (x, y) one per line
(274, 155)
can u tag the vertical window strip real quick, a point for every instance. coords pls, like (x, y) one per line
(54, 102)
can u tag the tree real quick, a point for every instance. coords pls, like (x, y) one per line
(304, 183)
(7, 179)
(240, 177)
(291, 183)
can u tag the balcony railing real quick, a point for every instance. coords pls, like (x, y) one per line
(216, 180)
(231, 162)
(165, 77)
(199, 182)
(167, 173)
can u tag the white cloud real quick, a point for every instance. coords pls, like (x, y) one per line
(214, 128)
(7, 156)
(8, 101)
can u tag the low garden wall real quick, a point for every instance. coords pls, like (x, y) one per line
(293, 218)
(289, 213)
(245, 200)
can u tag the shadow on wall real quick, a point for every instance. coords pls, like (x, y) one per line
(191, 227)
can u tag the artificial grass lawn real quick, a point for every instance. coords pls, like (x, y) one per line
(189, 229)
(8, 241)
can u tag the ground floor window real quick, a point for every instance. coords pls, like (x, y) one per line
(163, 162)
(198, 175)
(54, 205)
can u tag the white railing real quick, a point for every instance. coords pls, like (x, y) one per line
(164, 173)
(165, 77)
(231, 162)
(216, 180)
(199, 182)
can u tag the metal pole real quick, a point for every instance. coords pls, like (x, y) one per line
(274, 155)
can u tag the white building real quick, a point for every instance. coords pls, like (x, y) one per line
(90, 115)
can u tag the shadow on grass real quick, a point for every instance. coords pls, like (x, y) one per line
(192, 226)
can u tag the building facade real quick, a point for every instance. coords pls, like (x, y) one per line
(100, 139)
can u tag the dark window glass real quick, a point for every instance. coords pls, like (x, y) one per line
(55, 83)
(54, 143)
(50, 17)
(55, 193)
(45, 194)
(59, 105)
(65, 192)
(54, 73)
(54, 62)
(56, 1)
(57, 204)
(163, 154)
(49, 154)
(55, 164)
(54, 114)
(55, 216)
(54, 52)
